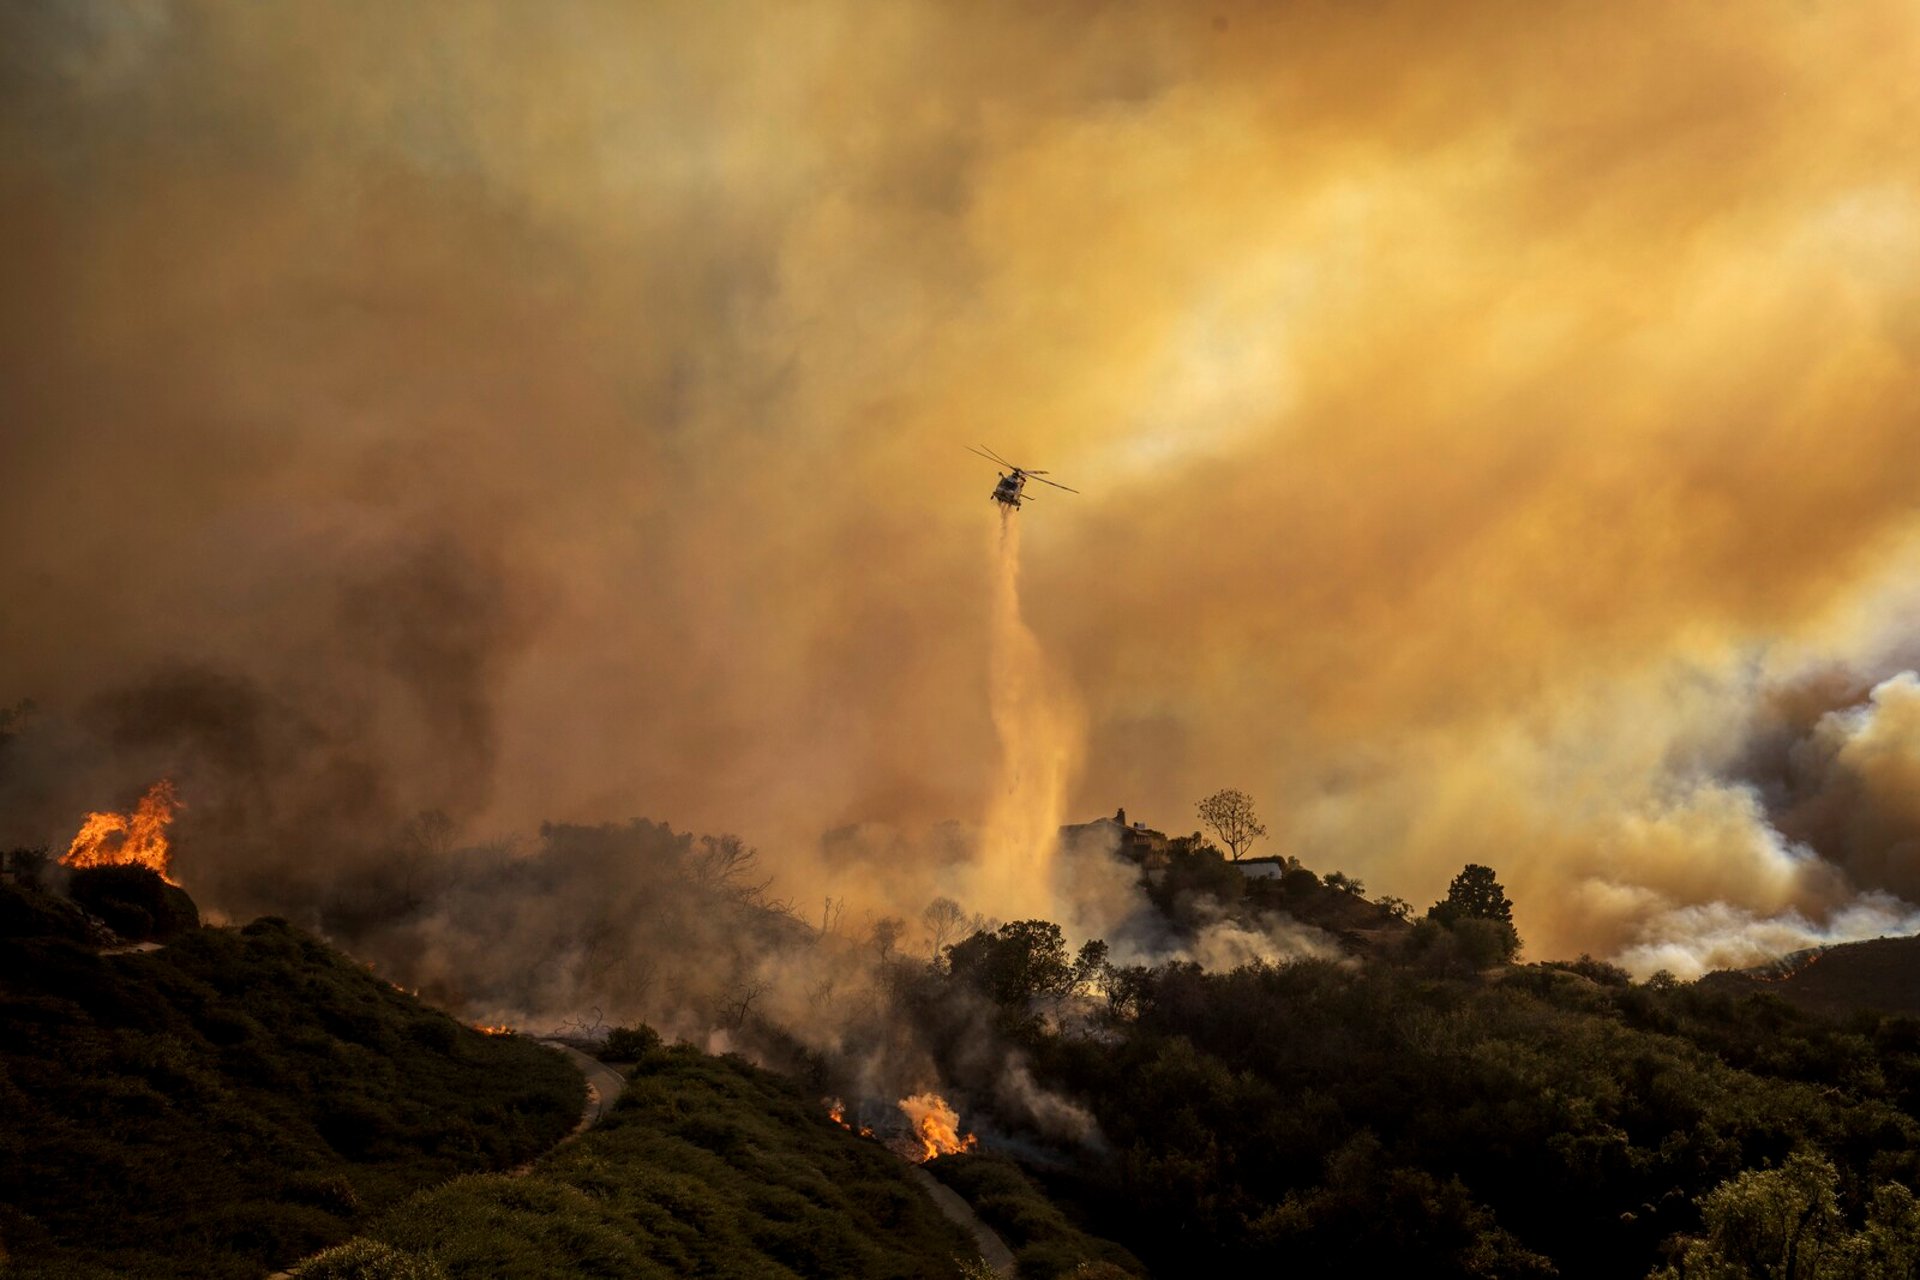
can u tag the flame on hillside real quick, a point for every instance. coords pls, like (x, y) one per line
(129, 839)
(837, 1112)
(501, 1030)
(936, 1125)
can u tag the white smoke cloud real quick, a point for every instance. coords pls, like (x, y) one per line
(1688, 941)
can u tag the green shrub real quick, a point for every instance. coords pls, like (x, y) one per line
(1045, 1243)
(708, 1166)
(362, 1259)
(629, 1044)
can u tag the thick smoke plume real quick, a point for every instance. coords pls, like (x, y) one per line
(1490, 426)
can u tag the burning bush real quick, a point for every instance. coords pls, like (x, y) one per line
(137, 838)
(936, 1127)
(134, 901)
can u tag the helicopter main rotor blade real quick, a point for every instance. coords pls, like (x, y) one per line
(991, 458)
(997, 458)
(1055, 483)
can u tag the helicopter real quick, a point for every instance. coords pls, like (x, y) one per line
(1009, 492)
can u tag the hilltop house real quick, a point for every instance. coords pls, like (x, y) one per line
(1270, 867)
(1136, 842)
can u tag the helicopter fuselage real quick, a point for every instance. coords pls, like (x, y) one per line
(1013, 481)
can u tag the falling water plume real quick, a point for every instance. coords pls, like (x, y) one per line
(1040, 727)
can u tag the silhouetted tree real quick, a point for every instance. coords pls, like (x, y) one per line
(885, 934)
(1229, 815)
(1475, 892)
(1345, 883)
(1016, 963)
(1476, 895)
(943, 920)
(1091, 968)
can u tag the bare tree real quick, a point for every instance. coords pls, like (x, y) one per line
(942, 919)
(1229, 815)
(738, 1002)
(728, 865)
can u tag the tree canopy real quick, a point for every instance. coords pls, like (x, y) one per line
(1478, 911)
(1474, 894)
(1015, 964)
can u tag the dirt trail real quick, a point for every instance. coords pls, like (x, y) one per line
(604, 1086)
(948, 1201)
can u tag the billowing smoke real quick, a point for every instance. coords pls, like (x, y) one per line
(1484, 420)
(1827, 807)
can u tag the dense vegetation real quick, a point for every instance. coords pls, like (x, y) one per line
(1045, 1243)
(1414, 1102)
(707, 1166)
(1403, 1111)
(234, 1100)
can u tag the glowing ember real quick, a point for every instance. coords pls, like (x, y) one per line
(128, 839)
(937, 1126)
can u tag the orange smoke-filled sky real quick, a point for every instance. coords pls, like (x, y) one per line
(1490, 419)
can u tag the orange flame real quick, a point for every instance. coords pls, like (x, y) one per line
(501, 1030)
(937, 1125)
(128, 839)
(837, 1112)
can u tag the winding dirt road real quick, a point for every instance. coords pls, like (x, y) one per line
(604, 1086)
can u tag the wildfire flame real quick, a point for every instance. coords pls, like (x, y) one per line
(937, 1125)
(501, 1030)
(128, 839)
(837, 1112)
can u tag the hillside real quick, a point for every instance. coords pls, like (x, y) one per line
(1405, 1113)
(234, 1100)
(708, 1166)
(241, 1100)
(1881, 975)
